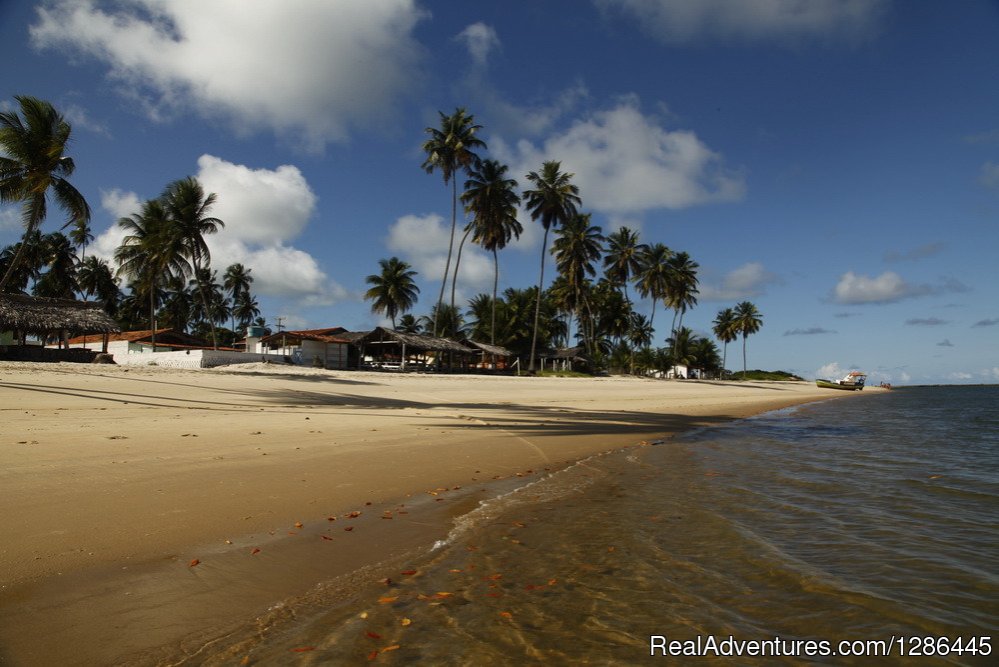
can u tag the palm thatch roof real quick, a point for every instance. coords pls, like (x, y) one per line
(38, 315)
(415, 342)
(490, 349)
(329, 335)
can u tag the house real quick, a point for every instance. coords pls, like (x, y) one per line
(22, 315)
(141, 342)
(312, 347)
(491, 357)
(388, 349)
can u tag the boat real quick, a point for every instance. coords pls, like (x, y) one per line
(854, 381)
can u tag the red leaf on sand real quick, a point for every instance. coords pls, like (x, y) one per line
(373, 655)
(303, 649)
(373, 635)
(193, 562)
(409, 573)
(255, 550)
(326, 537)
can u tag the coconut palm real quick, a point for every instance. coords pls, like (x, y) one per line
(490, 198)
(59, 280)
(451, 148)
(151, 253)
(245, 309)
(187, 204)
(408, 323)
(748, 321)
(623, 260)
(236, 281)
(553, 200)
(392, 291)
(96, 279)
(577, 247)
(33, 166)
(653, 275)
(704, 355)
(30, 253)
(726, 331)
(681, 287)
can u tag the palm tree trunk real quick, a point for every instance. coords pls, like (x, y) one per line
(450, 247)
(743, 356)
(492, 324)
(537, 306)
(152, 312)
(457, 263)
(204, 302)
(724, 357)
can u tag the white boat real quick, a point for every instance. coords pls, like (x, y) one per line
(854, 381)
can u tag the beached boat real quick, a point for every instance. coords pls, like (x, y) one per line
(854, 381)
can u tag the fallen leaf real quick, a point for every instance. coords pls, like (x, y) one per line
(373, 635)
(255, 550)
(354, 515)
(245, 660)
(506, 614)
(349, 528)
(443, 594)
(373, 655)
(393, 647)
(326, 537)
(388, 600)
(298, 524)
(303, 649)
(409, 573)
(193, 562)
(331, 518)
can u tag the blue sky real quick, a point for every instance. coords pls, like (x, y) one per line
(835, 162)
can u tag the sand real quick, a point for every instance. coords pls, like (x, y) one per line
(138, 494)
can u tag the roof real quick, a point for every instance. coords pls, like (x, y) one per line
(163, 336)
(38, 315)
(329, 335)
(382, 335)
(490, 349)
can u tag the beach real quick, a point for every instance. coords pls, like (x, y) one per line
(137, 502)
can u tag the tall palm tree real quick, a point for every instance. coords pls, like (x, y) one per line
(245, 309)
(151, 253)
(409, 324)
(34, 165)
(681, 288)
(653, 276)
(489, 196)
(577, 247)
(623, 260)
(725, 329)
(187, 206)
(237, 280)
(59, 281)
(451, 148)
(30, 253)
(393, 290)
(748, 321)
(553, 200)
(96, 279)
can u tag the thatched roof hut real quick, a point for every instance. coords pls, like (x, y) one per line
(389, 347)
(38, 315)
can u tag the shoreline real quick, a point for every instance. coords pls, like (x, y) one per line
(120, 478)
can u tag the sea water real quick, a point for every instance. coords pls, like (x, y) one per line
(873, 521)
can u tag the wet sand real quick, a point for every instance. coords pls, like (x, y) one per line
(147, 510)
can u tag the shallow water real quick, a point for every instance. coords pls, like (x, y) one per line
(871, 519)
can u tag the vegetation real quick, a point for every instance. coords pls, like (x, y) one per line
(772, 376)
(164, 277)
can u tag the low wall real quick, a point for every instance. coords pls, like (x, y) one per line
(195, 358)
(44, 354)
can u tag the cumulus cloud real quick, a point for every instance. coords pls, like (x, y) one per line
(925, 322)
(682, 21)
(625, 162)
(423, 242)
(747, 281)
(810, 331)
(886, 288)
(480, 39)
(264, 210)
(310, 72)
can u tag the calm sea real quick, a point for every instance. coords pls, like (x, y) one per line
(875, 519)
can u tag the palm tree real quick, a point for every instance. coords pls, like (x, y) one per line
(59, 281)
(624, 258)
(704, 355)
(34, 165)
(748, 321)
(554, 200)
(482, 317)
(187, 206)
(640, 335)
(96, 279)
(409, 324)
(237, 280)
(245, 309)
(489, 196)
(451, 148)
(576, 248)
(151, 253)
(726, 331)
(653, 276)
(681, 287)
(392, 291)
(30, 253)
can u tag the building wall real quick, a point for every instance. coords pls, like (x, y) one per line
(195, 358)
(333, 355)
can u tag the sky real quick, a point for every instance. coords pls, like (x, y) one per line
(836, 162)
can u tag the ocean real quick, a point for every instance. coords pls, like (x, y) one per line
(866, 526)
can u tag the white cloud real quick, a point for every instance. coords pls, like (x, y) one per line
(480, 39)
(624, 162)
(747, 281)
(10, 219)
(78, 117)
(263, 211)
(886, 288)
(680, 21)
(960, 376)
(311, 71)
(831, 371)
(423, 242)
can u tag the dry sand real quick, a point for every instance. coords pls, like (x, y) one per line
(115, 480)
